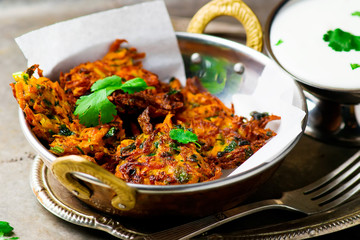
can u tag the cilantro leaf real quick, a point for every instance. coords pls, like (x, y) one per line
(90, 107)
(279, 42)
(340, 40)
(357, 13)
(112, 82)
(134, 85)
(183, 136)
(354, 65)
(5, 228)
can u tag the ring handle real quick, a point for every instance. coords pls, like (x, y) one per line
(235, 8)
(63, 167)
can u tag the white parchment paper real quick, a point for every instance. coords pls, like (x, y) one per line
(147, 26)
(274, 94)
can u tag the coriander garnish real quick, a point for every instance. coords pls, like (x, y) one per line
(279, 42)
(6, 230)
(340, 40)
(91, 107)
(183, 136)
(354, 65)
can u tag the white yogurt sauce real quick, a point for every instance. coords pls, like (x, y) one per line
(301, 24)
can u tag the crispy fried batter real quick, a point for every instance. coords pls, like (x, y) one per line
(44, 103)
(136, 146)
(228, 140)
(118, 61)
(157, 159)
(162, 102)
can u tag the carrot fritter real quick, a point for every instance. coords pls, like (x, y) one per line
(44, 103)
(119, 61)
(158, 159)
(138, 145)
(227, 139)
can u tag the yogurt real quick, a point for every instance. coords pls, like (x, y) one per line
(296, 39)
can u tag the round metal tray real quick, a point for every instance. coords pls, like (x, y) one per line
(297, 170)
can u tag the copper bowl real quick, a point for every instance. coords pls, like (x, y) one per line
(103, 191)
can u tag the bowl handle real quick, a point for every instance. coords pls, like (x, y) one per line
(235, 8)
(63, 167)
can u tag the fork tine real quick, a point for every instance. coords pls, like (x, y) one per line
(333, 203)
(348, 188)
(336, 182)
(332, 179)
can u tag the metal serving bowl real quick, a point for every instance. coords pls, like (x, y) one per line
(103, 191)
(332, 112)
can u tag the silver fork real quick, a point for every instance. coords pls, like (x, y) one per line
(322, 195)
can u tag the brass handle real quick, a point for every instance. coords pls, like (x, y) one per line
(63, 167)
(234, 8)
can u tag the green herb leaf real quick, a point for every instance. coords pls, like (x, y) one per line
(80, 150)
(340, 40)
(182, 175)
(258, 115)
(134, 85)
(128, 148)
(90, 107)
(354, 65)
(183, 136)
(248, 152)
(279, 42)
(112, 82)
(174, 146)
(57, 149)
(5, 228)
(173, 91)
(112, 131)
(357, 13)
(231, 146)
(63, 130)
